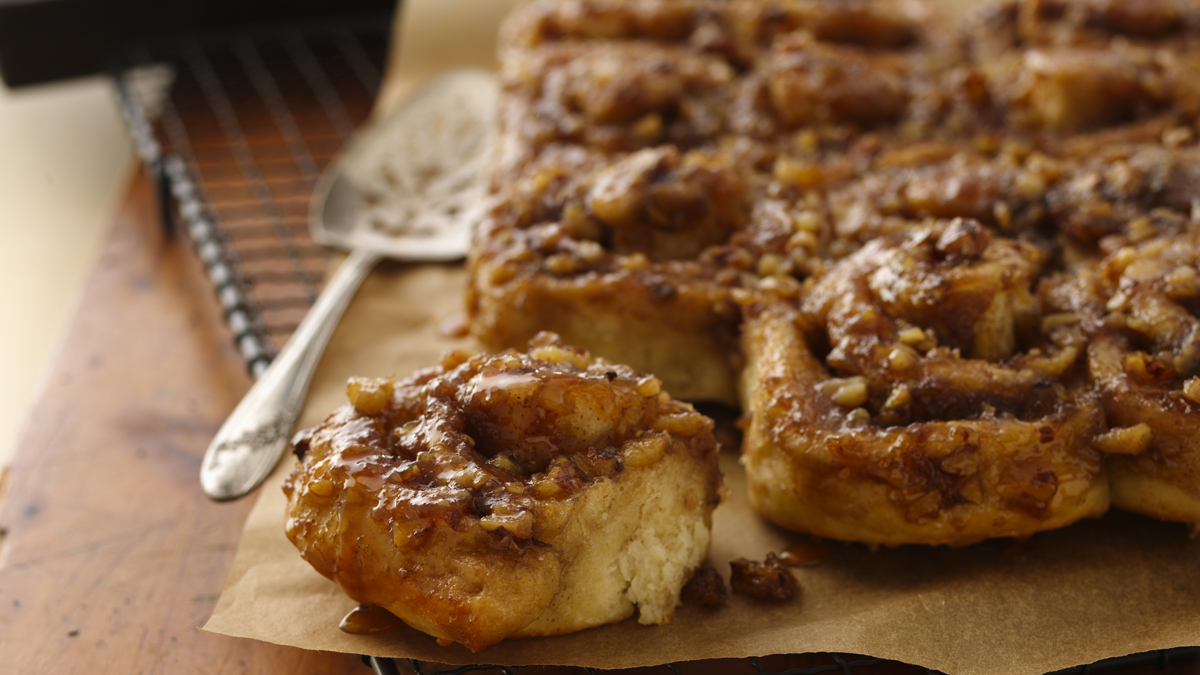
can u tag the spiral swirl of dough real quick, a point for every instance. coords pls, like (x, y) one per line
(909, 397)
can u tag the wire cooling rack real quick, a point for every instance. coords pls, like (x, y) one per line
(1180, 661)
(235, 128)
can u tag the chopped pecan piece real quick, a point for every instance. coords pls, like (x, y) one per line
(767, 580)
(706, 588)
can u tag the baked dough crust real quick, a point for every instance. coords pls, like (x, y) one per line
(508, 495)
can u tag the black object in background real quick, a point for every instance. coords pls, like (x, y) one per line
(45, 40)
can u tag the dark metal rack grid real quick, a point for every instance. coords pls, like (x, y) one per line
(239, 140)
(235, 129)
(1179, 661)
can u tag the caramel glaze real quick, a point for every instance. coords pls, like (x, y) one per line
(804, 554)
(370, 620)
(468, 470)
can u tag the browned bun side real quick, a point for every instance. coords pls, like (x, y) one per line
(508, 495)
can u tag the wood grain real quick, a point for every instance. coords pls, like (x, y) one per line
(110, 555)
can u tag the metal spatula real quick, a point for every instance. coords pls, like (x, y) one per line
(408, 187)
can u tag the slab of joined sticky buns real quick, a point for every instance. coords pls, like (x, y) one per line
(691, 187)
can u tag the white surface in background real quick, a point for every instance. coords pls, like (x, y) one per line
(65, 160)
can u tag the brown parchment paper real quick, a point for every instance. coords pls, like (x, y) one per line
(1119, 585)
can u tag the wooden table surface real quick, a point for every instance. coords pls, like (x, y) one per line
(110, 555)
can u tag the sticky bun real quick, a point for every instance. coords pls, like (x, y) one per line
(908, 397)
(508, 495)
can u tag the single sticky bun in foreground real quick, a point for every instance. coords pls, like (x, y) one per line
(908, 394)
(508, 495)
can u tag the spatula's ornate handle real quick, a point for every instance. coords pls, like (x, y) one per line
(250, 443)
